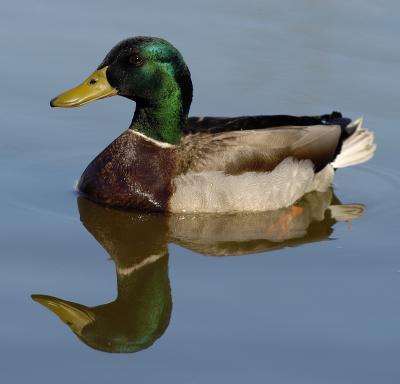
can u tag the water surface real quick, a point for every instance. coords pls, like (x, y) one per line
(294, 296)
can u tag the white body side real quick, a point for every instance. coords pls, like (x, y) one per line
(250, 191)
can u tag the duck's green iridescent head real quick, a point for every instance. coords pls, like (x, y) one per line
(148, 70)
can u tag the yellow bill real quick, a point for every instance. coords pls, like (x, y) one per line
(95, 87)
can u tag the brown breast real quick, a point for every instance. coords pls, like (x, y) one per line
(132, 172)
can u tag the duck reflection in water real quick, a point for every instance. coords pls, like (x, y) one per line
(138, 245)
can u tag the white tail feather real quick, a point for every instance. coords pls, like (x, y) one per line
(358, 148)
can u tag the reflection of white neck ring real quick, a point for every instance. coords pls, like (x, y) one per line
(148, 260)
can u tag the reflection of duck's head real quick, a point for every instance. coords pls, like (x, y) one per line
(141, 312)
(138, 317)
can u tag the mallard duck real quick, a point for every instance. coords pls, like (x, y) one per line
(166, 161)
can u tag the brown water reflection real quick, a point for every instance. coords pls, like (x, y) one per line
(138, 245)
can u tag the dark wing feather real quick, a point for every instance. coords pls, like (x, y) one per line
(225, 124)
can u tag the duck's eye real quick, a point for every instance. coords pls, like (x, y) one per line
(136, 60)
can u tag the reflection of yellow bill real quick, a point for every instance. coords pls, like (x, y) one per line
(75, 315)
(95, 87)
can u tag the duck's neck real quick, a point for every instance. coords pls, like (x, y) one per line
(163, 120)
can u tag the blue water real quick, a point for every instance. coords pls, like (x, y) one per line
(324, 311)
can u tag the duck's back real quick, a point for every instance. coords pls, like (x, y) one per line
(211, 124)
